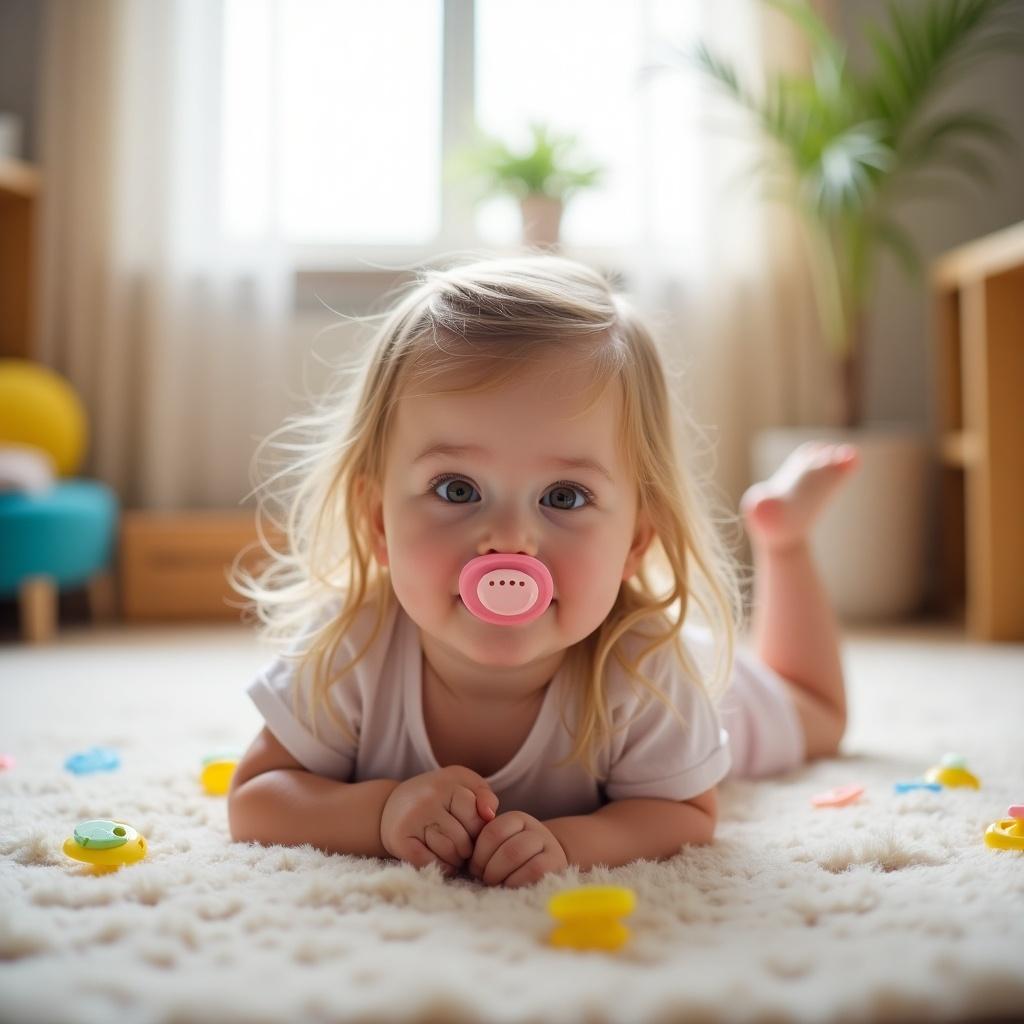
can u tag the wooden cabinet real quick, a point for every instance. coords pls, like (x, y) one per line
(19, 188)
(174, 565)
(979, 295)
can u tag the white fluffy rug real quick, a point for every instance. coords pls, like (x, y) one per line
(892, 909)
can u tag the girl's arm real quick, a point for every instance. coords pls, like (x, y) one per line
(273, 799)
(628, 830)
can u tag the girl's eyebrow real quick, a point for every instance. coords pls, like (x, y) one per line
(565, 462)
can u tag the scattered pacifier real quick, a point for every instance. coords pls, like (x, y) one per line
(95, 759)
(106, 845)
(952, 772)
(1007, 833)
(913, 784)
(506, 589)
(838, 796)
(589, 917)
(217, 771)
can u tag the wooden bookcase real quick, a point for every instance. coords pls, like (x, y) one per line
(19, 189)
(979, 295)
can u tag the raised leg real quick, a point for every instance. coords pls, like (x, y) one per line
(794, 628)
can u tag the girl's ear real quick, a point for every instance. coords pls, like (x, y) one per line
(641, 542)
(370, 494)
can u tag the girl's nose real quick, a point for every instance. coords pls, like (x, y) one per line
(506, 589)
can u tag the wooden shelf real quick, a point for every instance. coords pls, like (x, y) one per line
(979, 296)
(985, 257)
(960, 449)
(20, 184)
(18, 178)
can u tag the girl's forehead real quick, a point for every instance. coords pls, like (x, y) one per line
(555, 377)
(562, 396)
(538, 411)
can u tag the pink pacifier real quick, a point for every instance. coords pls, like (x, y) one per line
(506, 589)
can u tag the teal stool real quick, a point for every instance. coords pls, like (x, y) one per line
(55, 541)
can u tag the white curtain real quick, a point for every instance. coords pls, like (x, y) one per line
(179, 344)
(723, 274)
(174, 340)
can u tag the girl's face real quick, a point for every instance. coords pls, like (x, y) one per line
(510, 488)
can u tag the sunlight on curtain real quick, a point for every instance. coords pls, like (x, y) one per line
(332, 120)
(180, 172)
(174, 337)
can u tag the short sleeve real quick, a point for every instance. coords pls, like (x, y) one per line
(657, 756)
(281, 693)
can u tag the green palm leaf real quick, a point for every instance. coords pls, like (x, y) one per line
(848, 140)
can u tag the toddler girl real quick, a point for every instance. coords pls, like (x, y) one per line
(518, 408)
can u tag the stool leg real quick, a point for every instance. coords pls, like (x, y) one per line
(37, 604)
(102, 599)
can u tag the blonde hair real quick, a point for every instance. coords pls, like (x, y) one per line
(491, 316)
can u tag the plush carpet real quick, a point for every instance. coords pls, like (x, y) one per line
(890, 909)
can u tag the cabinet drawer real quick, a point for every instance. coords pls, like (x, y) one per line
(174, 565)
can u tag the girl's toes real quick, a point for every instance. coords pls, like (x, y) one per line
(768, 513)
(845, 456)
(751, 497)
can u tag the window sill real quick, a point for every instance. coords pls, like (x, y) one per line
(358, 279)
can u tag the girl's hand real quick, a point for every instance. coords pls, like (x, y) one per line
(435, 817)
(516, 849)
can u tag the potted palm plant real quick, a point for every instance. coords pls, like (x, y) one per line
(843, 147)
(542, 178)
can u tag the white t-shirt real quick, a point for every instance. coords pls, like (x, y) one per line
(382, 700)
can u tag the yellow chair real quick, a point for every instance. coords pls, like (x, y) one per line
(62, 537)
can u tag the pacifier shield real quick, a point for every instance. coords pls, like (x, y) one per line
(506, 589)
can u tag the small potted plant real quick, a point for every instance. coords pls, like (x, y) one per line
(843, 148)
(542, 178)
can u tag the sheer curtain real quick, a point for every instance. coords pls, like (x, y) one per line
(179, 342)
(723, 274)
(174, 339)
(720, 274)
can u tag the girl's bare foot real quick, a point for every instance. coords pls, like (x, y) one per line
(781, 510)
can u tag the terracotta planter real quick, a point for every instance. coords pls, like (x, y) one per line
(870, 543)
(542, 218)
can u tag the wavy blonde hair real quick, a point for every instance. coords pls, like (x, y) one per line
(490, 317)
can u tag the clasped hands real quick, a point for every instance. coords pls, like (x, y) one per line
(449, 817)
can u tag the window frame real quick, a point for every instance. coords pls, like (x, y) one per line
(319, 263)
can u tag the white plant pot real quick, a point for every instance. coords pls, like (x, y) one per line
(870, 542)
(542, 218)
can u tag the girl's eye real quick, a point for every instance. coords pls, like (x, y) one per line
(562, 495)
(456, 490)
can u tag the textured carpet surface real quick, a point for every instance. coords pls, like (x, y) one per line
(890, 909)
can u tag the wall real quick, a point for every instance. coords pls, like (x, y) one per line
(900, 370)
(21, 23)
(900, 365)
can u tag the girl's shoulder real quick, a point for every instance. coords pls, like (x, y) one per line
(666, 658)
(365, 632)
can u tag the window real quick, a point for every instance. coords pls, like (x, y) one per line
(338, 116)
(332, 112)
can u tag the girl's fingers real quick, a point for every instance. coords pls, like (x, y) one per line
(527, 874)
(511, 856)
(493, 835)
(413, 851)
(487, 804)
(453, 828)
(463, 806)
(442, 845)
